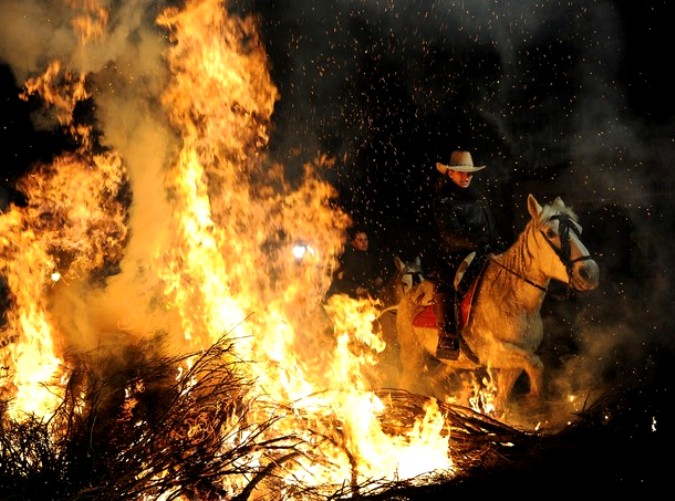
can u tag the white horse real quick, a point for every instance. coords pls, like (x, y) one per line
(504, 328)
(408, 274)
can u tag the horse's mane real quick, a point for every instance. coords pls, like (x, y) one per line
(556, 207)
(520, 253)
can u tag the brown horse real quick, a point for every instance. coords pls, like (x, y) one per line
(504, 328)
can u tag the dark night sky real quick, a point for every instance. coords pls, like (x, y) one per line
(558, 98)
(570, 98)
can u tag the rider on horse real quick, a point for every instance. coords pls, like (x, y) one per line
(465, 224)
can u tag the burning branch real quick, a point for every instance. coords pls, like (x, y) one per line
(128, 428)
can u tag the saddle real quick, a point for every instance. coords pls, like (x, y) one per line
(466, 282)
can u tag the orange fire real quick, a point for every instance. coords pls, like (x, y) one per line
(189, 228)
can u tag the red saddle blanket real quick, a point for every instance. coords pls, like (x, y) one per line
(427, 318)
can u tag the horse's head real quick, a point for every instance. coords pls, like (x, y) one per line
(409, 274)
(559, 230)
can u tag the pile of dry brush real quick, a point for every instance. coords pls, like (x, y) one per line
(127, 429)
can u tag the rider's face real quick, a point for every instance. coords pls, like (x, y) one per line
(461, 179)
(360, 241)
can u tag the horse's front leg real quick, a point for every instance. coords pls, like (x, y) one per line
(512, 359)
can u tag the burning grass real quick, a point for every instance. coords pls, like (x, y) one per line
(130, 429)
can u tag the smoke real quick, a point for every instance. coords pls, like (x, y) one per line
(540, 91)
(125, 69)
(34, 33)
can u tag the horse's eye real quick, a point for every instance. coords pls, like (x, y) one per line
(551, 233)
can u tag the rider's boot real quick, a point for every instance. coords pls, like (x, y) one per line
(448, 338)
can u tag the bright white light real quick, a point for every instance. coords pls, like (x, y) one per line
(299, 251)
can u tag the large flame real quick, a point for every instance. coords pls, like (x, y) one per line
(195, 241)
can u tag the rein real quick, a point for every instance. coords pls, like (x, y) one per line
(417, 278)
(525, 279)
(563, 254)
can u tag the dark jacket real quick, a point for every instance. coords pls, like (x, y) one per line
(356, 269)
(464, 222)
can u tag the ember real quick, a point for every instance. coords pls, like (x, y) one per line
(164, 336)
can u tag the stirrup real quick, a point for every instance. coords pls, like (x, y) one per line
(448, 348)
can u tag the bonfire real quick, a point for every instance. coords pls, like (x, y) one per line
(160, 340)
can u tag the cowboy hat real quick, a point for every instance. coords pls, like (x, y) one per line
(459, 161)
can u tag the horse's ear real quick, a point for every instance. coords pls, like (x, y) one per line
(418, 261)
(399, 264)
(558, 202)
(533, 206)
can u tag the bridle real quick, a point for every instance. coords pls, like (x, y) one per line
(417, 278)
(565, 225)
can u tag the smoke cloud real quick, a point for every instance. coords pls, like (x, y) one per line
(542, 92)
(125, 69)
